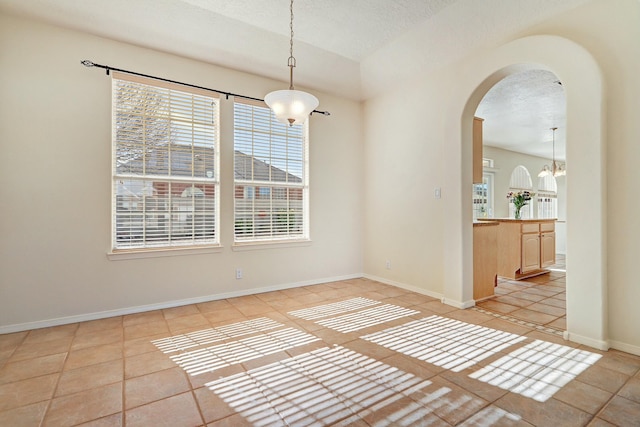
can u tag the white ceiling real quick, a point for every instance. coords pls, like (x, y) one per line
(355, 48)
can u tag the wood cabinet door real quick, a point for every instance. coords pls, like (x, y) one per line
(530, 253)
(547, 249)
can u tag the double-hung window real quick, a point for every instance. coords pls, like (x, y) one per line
(165, 165)
(271, 176)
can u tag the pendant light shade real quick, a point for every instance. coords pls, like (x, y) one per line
(291, 106)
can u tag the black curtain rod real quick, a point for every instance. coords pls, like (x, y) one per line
(88, 63)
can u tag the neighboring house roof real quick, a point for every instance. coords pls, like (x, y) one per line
(246, 165)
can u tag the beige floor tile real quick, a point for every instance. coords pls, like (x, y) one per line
(583, 396)
(599, 422)
(470, 316)
(508, 299)
(496, 306)
(30, 368)
(185, 310)
(631, 390)
(107, 336)
(144, 317)
(191, 321)
(205, 307)
(85, 406)
(25, 416)
(25, 392)
(87, 377)
(621, 412)
(620, 363)
(156, 386)
(508, 326)
(37, 349)
(603, 378)
(533, 316)
(547, 309)
(94, 355)
(527, 296)
(142, 345)
(554, 302)
(550, 413)
(12, 341)
(494, 416)
(141, 330)
(213, 408)
(175, 411)
(560, 323)
(224, 315)
(99, 325)
(49, 334)
(115, 420)
(146, 363)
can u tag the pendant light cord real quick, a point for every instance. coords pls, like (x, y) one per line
(292, 60)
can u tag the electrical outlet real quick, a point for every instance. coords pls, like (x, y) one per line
(388, 265)
(238, 273)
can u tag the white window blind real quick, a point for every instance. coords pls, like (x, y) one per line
(547, 197)
(165, 164)
(520, 181)
(271, 176)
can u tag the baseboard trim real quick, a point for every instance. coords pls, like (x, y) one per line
(19, 327)
(627, 348)
(580, 339)
(412, 288)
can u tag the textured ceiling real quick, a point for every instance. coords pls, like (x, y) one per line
(353, 48)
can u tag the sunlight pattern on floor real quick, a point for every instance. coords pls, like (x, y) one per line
(332, 309)
(365, 318)
(211, 335)
(447, 343)
(330, 386)
(231, 353)
(537, 370)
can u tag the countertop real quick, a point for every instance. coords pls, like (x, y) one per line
(515, 220)
(485, 222)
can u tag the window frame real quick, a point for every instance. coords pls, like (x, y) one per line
(207, 209)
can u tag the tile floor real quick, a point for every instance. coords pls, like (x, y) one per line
(356, 352)
(539, 300)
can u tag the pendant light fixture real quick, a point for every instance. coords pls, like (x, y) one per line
(291, 106)
(556, 168)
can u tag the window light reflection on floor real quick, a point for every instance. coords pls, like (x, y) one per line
(211, 335)
(444, 342)
(333, 309)
(231, 353)
(365, 318)
(327, 386)
(537, 370)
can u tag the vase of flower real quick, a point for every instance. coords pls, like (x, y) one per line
(519, 199)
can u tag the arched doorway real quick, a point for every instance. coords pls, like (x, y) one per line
(586, 231)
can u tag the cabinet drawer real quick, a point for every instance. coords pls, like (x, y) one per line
(530, 228)
(547, 226)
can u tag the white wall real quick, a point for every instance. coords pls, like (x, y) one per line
(413, 144)
(55, 166)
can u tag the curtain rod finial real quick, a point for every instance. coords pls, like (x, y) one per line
(87, 63)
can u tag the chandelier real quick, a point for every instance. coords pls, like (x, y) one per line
(291, 106)
(556, 169)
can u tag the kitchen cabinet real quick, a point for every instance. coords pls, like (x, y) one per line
(485, 259)
(525, 247)
(477, 150)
